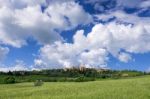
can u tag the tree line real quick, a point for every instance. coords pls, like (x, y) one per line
(68, 74)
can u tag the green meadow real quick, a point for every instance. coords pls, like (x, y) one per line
(129, 88)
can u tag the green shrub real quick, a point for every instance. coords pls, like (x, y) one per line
(89, 79)
(9, 80)
(84, 79)
(79, 79)
(38, 83)
(50, 79)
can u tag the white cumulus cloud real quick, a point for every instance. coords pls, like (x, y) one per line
(117, 39)
(44, 20)
(18, 66)
(124, 57)
(22, 19)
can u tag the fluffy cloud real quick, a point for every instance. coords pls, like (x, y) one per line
(124, 57)
(39, 64)
(18, 66)
(26, 18)
(61, 16)
(44, 20)
(3, 52)
(145, 4)
(122, 17)
(15, 4)
(133, 3)
(62, 55)
(117, 39)
(128, 3)
(112, 5)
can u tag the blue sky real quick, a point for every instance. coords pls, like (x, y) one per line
(45, 34)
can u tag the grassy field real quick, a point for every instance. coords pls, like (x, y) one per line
(131, 88)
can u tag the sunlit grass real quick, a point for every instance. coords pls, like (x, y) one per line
(133, 88)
